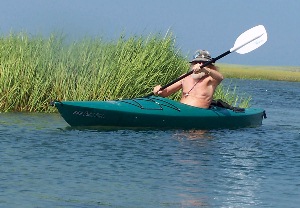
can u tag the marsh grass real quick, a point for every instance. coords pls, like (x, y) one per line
(35, 70)
(232, 96)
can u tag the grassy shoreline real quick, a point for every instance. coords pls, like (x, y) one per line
(35, 70)
(276, 73)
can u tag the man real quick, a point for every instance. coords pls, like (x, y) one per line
(199, 87)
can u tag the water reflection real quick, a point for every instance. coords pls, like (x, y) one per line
(194, 134)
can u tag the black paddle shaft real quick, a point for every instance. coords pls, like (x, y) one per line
(191, 72)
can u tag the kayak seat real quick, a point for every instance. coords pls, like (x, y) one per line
(223, 104)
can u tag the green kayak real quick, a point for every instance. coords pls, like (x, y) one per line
(154, 112)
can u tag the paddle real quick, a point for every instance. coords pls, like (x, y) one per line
(245, 43)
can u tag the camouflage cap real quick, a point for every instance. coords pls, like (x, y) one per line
(201, 55)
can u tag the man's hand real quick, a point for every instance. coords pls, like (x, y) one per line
(197, 69)
(156, 90)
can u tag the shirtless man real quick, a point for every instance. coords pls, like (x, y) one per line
(199, 87)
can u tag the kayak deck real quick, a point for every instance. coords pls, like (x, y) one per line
(155, 112)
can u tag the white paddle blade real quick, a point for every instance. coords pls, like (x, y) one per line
(250, 40)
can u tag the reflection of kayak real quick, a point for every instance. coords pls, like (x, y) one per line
(154, 112)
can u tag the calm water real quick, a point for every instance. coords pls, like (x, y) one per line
(46, 164)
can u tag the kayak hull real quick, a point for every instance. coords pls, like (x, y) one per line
(154, 112)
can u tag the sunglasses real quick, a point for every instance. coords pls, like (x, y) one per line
(199, 62)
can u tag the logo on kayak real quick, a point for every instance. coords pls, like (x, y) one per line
(88, 114)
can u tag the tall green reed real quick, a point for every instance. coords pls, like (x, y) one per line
(232, 96)
(35, 70)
